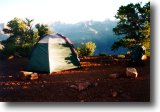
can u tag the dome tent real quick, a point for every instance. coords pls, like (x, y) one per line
(53, 53)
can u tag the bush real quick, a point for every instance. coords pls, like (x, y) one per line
(136, 53)
(86, 49)
(23, 50)
(121, 56)
(148, 52)
(9, 50)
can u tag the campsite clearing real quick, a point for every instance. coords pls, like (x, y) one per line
(90, 83)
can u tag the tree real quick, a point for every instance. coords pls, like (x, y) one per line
(133, 25)
(22, 37)
(86, 49)
(42, 30)
(20, 31)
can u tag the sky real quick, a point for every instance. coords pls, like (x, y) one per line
(68, 11)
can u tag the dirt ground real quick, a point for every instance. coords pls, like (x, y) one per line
(60, 87)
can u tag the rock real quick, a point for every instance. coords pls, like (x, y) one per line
(10, 76)
(98, 79)
(34, 76)
(10, 57)
(74, 86)
(113, 76)
(25, 87)
(114, 94)
(83, 85)
(131, 72)
(24, 75)
(80, 86)
(116, 60)
(144, 57)
(82, 100)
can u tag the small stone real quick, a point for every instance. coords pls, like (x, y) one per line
(114, 94)
(34, 76)
(83, 86)
(113, 76)
(131, 72)
(11, 57)
(82, 100)
(74, 86)
(144, 57)
(25, 87)
(10, 76)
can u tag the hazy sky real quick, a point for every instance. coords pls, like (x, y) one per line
(69, 11)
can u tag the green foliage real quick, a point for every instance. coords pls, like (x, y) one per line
(22, 37)
(9, 50)
(25, 49)
(133, 25)
(86, 49)
(148, 52)
(121, 56)
(136, 53)
(43, 30)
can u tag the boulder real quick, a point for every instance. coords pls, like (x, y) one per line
(131, 72)
(34, 76)
(24, 75)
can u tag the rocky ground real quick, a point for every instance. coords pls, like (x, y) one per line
(100, 79)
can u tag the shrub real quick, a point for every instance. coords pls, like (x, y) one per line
(9, 49)
(25, 49)
(86, 49)
(121, 56)
(136, 53)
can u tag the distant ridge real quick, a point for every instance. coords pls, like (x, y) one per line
(99, 32)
